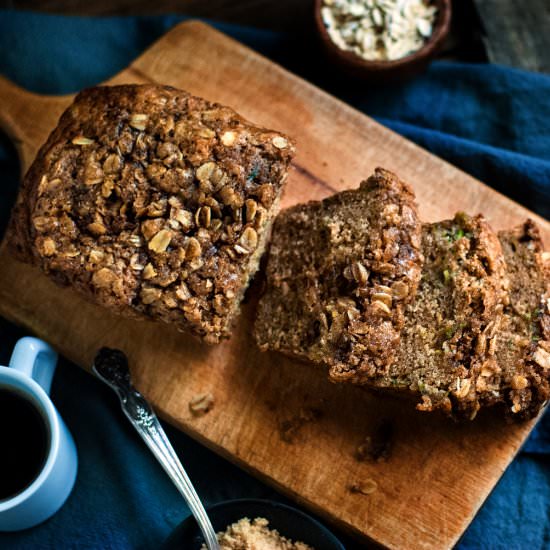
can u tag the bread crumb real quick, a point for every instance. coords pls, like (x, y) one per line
(201, 404)
(376, 447)
(366, 487)
(290, 427)
(255, 535)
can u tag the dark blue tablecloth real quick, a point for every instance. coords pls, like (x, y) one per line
(491, 121)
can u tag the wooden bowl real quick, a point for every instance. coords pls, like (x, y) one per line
(357, 67)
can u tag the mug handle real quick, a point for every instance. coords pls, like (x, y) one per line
(36, 359)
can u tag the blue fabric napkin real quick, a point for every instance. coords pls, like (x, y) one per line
(491, 121)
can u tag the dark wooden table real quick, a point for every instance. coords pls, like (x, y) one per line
(510, 32)
(517, 32)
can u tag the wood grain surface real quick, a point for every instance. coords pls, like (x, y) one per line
(281, 420)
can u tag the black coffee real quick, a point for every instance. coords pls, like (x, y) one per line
(24, 442)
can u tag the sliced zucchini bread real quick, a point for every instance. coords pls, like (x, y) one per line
(339, 275)
(450, 327)
(451, 312)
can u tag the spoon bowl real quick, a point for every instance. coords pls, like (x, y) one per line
(399, 69)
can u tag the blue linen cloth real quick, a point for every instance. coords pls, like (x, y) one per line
(491, 121)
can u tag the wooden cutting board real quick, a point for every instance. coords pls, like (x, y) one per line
(281, 420)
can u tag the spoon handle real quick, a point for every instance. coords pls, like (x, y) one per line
(113, 370)
(149, 428)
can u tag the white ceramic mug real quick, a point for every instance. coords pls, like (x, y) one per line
(29, 375)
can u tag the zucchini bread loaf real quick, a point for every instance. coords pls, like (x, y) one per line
(339, 275)
(153, 203)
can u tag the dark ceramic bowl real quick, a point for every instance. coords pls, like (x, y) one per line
(290, 523)
(399, 69)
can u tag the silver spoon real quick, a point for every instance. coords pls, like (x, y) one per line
(111, 366)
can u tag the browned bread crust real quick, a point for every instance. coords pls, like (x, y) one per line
(339, 275)
(153, 203)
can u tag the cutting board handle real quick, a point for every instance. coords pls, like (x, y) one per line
(13, 101)
(27, 117)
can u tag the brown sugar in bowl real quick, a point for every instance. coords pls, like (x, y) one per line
(355, 66)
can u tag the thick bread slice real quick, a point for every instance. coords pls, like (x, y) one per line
(521, 381)
(339, 275)
(450, 327)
